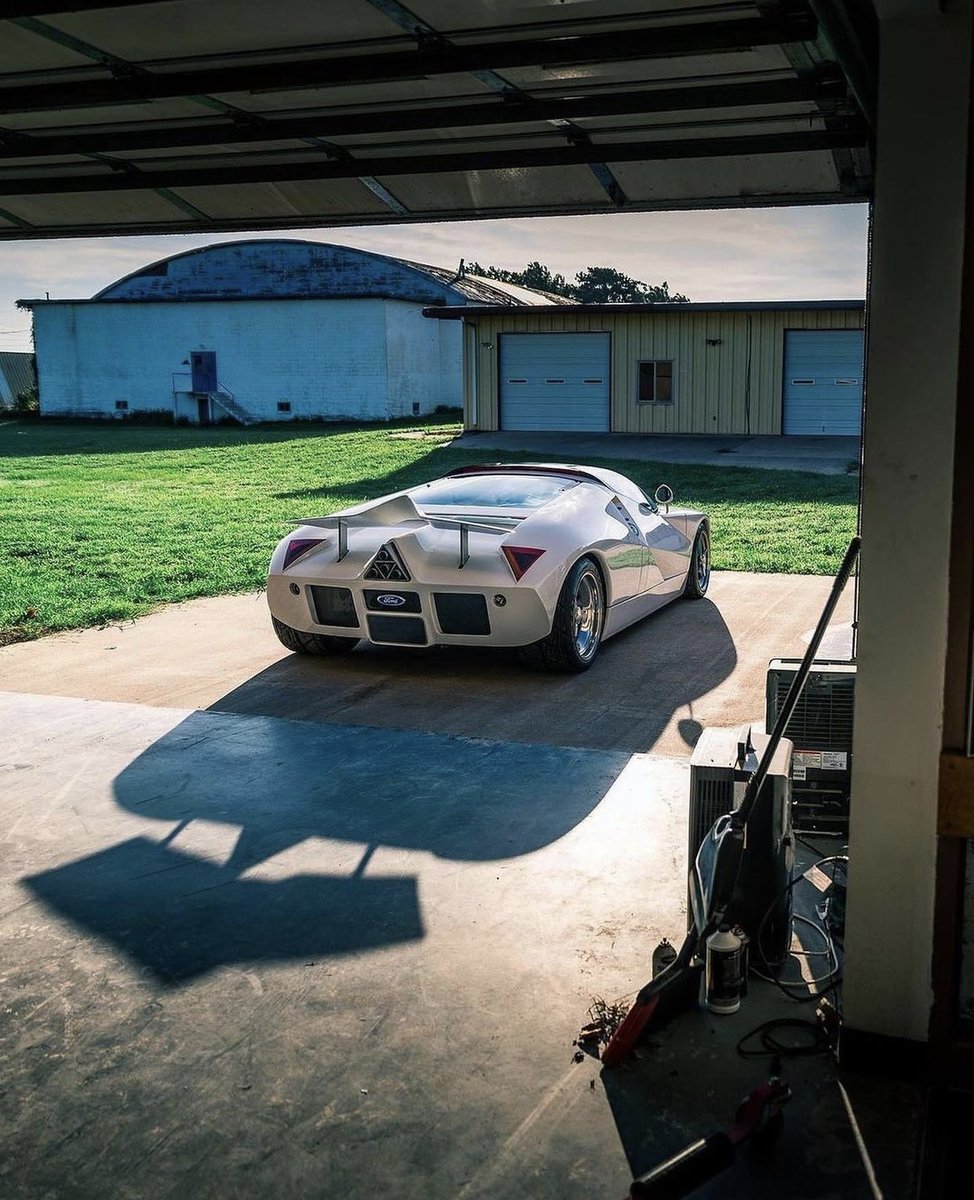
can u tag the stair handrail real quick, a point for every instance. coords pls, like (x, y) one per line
(234, 407)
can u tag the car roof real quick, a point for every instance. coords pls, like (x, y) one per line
(601, 475)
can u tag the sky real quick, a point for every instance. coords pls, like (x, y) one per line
(811, 253)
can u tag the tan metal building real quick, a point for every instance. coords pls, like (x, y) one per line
(793, 367)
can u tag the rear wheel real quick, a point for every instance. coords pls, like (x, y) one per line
(576, 631)
(312, 643)
(698, 577)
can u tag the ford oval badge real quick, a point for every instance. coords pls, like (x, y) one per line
(391, 600)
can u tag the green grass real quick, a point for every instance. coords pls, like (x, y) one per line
(99, 523)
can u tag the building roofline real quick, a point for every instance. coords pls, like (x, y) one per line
(119, 300)
(457, 312)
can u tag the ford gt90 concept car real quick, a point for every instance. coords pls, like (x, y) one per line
(547, 557)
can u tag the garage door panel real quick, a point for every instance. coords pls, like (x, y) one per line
(823, 382)
(556, 381)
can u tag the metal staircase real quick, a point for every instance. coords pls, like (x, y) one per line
(231, 406)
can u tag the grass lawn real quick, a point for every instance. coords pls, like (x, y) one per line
(100, 523)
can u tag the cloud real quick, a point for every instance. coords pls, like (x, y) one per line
(809, 253)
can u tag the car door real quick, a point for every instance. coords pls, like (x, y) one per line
(630, 560)
(667, 546)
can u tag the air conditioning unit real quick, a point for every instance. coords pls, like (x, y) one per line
(821, 732)
(721, 764)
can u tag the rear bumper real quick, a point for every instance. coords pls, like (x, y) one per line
(430, 614)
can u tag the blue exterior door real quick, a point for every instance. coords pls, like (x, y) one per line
(203, 367)
(823, 381)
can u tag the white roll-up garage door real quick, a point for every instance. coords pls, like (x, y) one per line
(823, 381)
(554, 381)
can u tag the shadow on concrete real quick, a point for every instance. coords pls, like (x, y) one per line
(690, 1075)
(280, 783)
(689, 1086)
(181, 916)
(623, 702)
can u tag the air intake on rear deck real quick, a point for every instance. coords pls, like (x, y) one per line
(387, 566)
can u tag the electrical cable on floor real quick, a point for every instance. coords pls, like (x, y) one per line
(792, 1037)
(800, 991)
(810, 1038)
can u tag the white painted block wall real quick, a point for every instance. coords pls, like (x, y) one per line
(424, 360)
(366, 359)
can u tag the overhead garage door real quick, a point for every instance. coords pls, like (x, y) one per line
(823, 381)
(554, 381)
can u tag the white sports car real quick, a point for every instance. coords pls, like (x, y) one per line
(548, 557)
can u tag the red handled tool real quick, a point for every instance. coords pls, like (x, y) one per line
(759, 1114)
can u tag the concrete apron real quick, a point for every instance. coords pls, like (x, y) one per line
(820, 455)
(652, 688)
(255, 957)
(345, 954)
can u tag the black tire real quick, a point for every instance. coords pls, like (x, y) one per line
(312, 643)
(698, 576)
(576, 632)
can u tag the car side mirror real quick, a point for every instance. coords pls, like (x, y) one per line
(664, 495)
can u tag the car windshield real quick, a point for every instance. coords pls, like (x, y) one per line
(493, 491)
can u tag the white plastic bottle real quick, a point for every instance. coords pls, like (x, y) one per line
(724, 971)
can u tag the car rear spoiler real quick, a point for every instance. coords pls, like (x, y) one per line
(400, 510)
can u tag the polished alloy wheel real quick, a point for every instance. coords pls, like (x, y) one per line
(589, 612)
(703, 561)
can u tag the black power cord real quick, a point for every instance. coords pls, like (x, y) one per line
(785, 1037)
(794, 1037)
(832, 979)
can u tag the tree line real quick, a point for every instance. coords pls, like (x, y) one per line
(594, 285)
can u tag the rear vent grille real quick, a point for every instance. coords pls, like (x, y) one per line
(822, 719)
(387, 566)
(712, 797)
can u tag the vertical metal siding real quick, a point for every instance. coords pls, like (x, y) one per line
(709, 382)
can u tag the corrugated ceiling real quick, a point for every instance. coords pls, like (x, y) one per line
(196, 115)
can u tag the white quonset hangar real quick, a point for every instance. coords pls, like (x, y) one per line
(263, 330)
(123, 117)
(792, 367)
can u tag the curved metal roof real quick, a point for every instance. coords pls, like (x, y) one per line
(194, 115)
(295, 268)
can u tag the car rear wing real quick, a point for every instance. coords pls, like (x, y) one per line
(400, 511)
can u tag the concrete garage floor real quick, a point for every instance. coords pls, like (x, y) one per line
(333, 936)
(652, 688)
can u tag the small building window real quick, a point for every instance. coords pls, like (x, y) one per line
(121, 405)
(284, 406)
(656, 381)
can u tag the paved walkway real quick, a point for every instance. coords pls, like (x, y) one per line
(822, 455)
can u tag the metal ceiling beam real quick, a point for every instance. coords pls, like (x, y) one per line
(436, 164)
(12, 9)
(87, 139)
(853, 31)
(671, 41)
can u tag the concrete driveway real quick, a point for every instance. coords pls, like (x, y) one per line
(276, 927)
(652, 688)
(821, 455)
